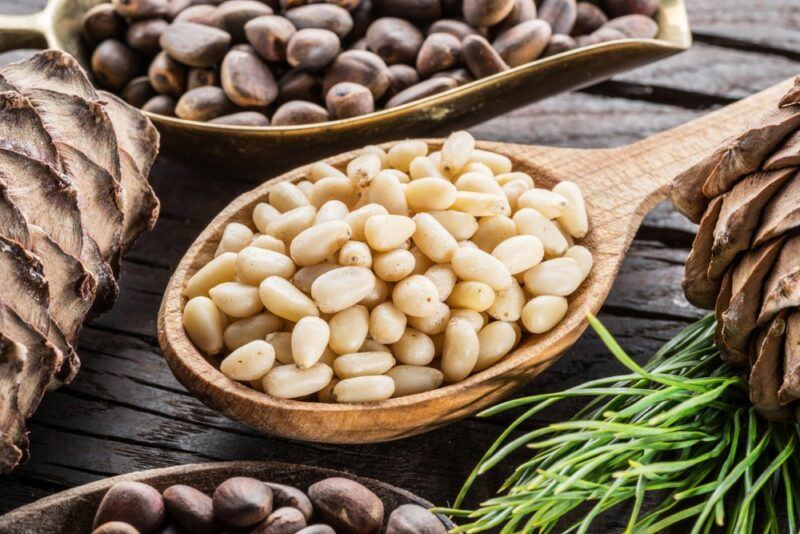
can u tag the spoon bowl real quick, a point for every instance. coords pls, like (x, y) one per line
(621, 186)
(283, 147)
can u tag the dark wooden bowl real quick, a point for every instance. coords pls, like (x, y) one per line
(72, 511)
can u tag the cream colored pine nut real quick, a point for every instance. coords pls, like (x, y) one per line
(492, 231)
(508, 304)
(475, 166)
(574, 219)
(378, 151)
(267, 242)
(363, 169)
(320, 170)
(433, 324)
(421, 262)
(583, 257)
(358, 218)
(291, 382)
(342, 288)
(416, 296)
(244, 331)
(512, 191)
(530, 222)
(286, 196)
(461, 347)
(203, 325)
(436, 157)
(476, 265)
(403, 153)
(291, 223)
(314, 244)
(386, 323)
(432, 239)
(249, 362)
(364, 389)
(476, 319)
(355, 254)
(349, 329)
(443, 278)
(481, 204)
(310, 338)
(456, 152)
(413, 379)
(479, 183)
(304, 278)
(497, 162)
(282, 345)
(394, 265)
(548, 203)
(379, 294)
(333, 188)
(387, 191)
(234, 238)
(509, 177)
(305, 186)
(424, 167)
(460, 225)
(414, 348)
(332, 210)
(254, 264)
(400, 175)
(559, 277)
(387, 232)
(284, 300)
(220, 269)
(236, 299)
(363, 364)
(543, 313)
(496, 340)
(467, 244)
(473, 295)
(519, 253)
(428, 194)
(263, 214)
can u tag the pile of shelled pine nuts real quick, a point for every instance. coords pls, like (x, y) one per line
(406, 270)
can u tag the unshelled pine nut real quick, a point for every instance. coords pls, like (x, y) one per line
(573, 219)
(394, 265)
(263, 214)
(460, 225)
(519, 253)
(283, 299)
(474, 318)
(443, 278)
(541, 314)
(363, 364)
(320, 170)
(220, 269)
(529, 221)
(364, 389)
(508, 304)
(332, 210)
(387, 191)
(349, 329)
(235, 237)
(388, 232)
(363, 169)
(492, 231)
(291, 223)
(433, 239)
(310, 337)
(282, 344)
(413, 379)
(457, 151)
(342, 288)
(333, 188)
(304, 277)
(559, 276)
(499, 163)
(427, 194)
(424, 167)
(203, 324)
(481, 204)
(249, 329)
(386, 323)
(291, 382)
(358, 218)
(355, 254)
(414, 348)
(255, 264)
(249, 362)
(548, 203)
(473, 295)
(476, 265)
(268, 242)
(461, 348)
(416, 296)
(583, 257)
(496, 339)
(314, 244)
(403, 153)
(236, 299)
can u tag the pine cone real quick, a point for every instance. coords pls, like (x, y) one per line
(745, 259)
(73, 197)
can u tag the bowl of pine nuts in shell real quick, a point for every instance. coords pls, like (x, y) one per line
(376, 294)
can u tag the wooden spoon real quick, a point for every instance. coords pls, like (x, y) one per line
(72, 511)
(621, 186)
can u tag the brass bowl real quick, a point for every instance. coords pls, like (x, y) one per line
(278, 148)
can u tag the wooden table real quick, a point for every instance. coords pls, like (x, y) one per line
(125, 411)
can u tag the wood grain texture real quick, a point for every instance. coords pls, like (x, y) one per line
(126, 412)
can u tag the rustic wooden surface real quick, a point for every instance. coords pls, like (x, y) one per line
(125, 411)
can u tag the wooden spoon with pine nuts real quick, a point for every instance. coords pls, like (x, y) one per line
(620, 187)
